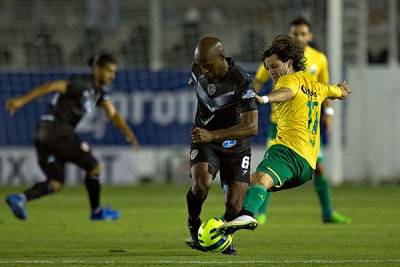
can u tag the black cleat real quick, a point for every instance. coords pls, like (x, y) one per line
(194, 244)
(230, 250)
(193, 241)
(194, 226)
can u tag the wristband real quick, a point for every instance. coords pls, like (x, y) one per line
(265, 99)
(329, 111)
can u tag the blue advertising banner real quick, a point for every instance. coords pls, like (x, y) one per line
(159, 106)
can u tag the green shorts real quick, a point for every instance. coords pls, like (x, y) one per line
(271, 133)
(286, 167)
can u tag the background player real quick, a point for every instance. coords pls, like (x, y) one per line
(292, 155)
(55, 140)
(226, 116)
(316, 70)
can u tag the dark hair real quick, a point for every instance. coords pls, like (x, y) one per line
(101, 60)
(287, 48)
(300, 21)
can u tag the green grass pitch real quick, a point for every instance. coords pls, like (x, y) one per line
(152, 230)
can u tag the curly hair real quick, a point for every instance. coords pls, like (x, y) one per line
(287, 48)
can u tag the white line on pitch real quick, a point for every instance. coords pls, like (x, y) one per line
(312, 261)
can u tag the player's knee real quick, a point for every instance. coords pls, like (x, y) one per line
(200, 188)
(95, 172)
(261, 178)
(55, 185)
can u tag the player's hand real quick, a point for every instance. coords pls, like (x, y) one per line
(134, 143)
(259, 100)
(200, 135)
(346, 91)
(13, 104)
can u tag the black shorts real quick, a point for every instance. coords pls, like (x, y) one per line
(233, 166)
(56, 143)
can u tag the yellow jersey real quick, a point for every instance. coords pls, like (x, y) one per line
(298, 118)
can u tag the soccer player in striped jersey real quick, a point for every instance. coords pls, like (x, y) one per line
(296, 102)
(316, 70)
(56, 141)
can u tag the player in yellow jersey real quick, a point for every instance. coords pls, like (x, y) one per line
(316, 70)
(296, 105)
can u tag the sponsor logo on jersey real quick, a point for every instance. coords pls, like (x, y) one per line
(308, 91)
(211, 88)
(51, 159)
(85, 147)
(193, 154)
(228, 143)
(249, 94)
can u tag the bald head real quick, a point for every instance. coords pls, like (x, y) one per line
(209, 55)
(207, 49)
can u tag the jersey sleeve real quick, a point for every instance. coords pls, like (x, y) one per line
(323, 76)
(76, 84)
(247, 98)
(262, 74)
(330, 90)
(104, 96)
(290, 82)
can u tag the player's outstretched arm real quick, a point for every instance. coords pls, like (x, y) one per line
(281, 95)
(13, 104)
(120, 123)
(247, 127)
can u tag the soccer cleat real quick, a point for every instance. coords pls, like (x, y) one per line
(193, 241)
(17, 206)
(337, 218)
(261, 218)
(105, 214)
(194, 226)
(230, 250)
(242, 222)
(194, 244)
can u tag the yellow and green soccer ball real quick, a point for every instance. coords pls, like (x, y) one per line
(210, 239)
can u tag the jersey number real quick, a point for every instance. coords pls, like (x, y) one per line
(312, 125)
(245, 162)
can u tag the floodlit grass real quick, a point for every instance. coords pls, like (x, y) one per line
(152, 230)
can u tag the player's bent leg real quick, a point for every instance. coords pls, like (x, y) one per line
(254, 198)
(202, 175)
(235, 194)
(92, 184)
(17, 202)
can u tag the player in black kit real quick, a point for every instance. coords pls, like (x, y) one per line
(226, 116)
(56, 141)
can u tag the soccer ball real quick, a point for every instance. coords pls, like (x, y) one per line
(210, 239)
